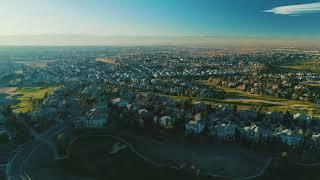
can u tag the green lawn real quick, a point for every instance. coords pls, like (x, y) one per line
(310, 65)
(26, 94)
(90, 158)
(245, 100)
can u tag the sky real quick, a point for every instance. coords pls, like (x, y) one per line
(295, 19)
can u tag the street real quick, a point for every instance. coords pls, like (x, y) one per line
(15, 167)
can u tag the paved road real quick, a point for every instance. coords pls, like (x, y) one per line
(15, 169)
(15, 166)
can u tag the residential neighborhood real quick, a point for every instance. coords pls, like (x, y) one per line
(173, 97)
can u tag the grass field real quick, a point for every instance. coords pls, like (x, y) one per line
(314, 68)
(310, 65)
(90, 159)
(295, 67)
(26, 94)
(312, 83)
(245, 100)
(270, 103)
(106, 60)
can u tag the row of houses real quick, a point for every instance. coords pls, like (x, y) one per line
(97, 117)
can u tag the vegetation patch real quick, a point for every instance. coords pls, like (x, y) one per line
(246, 100)
(29, 97)
(90, 157)
(106, 60)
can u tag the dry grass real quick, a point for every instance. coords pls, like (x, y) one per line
(10, 91)
(295, 67)
(245, 100)
(106, 60)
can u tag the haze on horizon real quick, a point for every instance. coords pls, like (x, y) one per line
(166, 22)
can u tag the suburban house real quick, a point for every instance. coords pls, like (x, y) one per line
(274, 116)
(120, 102)
(316, 138)
(246, 115)
(195, 126)
(142, 111)
(251, 133)
(97, 117)
(224, 132)
(166, 122)
(290, 138)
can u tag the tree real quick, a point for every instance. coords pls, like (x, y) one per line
(22, 132)
(287, 117)
(46, 94)
(187, 104)
(61, 143)
(307, 134)
(6, 110)
(4, 138)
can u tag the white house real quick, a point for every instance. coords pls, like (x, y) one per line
(251, 133)
(142, 111)
(120, 102)
(316, 139)
(224, 132)
(166, 122)
(97, 117)
(290, 138)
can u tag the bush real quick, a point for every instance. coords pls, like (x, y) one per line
(4, 137)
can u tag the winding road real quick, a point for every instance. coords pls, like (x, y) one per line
(15, 167)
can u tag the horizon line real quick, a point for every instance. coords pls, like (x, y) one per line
(170, 36)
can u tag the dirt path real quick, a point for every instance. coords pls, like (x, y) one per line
(10, 91)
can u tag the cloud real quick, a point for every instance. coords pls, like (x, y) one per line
(296, 9)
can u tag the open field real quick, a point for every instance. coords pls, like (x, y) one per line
(245, 100)
(312, 83)
(267, 106)
(313, 68)
(9, 91)
(268, 103)
(26, 94)
(310, 65)
(295, 67)
(106, 60)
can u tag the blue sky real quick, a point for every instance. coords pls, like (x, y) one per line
(254, 18)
